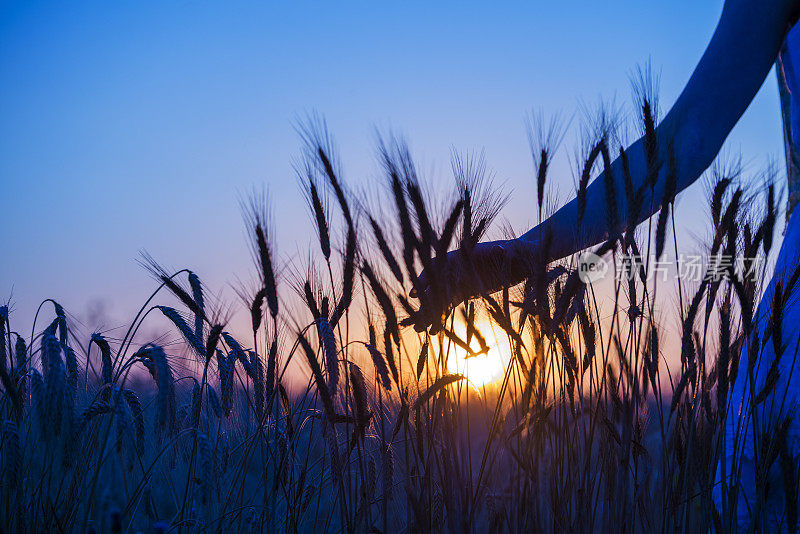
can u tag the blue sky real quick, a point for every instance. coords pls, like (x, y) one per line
(137, 125)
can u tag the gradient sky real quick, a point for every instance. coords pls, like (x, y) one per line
(136, 125)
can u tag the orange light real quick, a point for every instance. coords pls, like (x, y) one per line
(482, 369)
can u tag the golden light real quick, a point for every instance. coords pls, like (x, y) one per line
(482, 369)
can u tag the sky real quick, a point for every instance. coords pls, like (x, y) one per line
(129, 126)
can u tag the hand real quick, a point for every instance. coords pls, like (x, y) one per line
(458, 276)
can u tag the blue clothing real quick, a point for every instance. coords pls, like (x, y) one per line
(788, 68)
(782, 403)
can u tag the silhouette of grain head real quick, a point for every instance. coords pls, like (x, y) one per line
(256, 213)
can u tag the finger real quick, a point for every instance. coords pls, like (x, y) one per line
(422, 320)
(434, 319)
(420, 285)
(435, 328)
(426, 314)
(428, 321)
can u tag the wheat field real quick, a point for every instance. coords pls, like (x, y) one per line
(549, 406)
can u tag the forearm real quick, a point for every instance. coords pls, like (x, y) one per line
(738, 58)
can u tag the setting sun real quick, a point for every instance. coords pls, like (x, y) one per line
(480, 369)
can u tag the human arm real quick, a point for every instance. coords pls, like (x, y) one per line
(733, 67)
(730, 72)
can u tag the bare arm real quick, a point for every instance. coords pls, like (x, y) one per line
(731, 71)
(742, 50)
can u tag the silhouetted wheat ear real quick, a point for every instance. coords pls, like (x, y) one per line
(322, 387)
(586, 174)
(125, 431)
(386, 252)
(716, 199)
(259, 390)
(387, 347)
(311, 301)
(769, 220)
(443, 244)
(372, 476)
(107, 370)
(440, 383)
(38, 399)
(359, 390)
(728, 226)
(55, 381)
(98, 407)
(333, 450)
(21, 369)
(7, 368)
(287, 410)
(422, 358)
(589, 338)
(256, 216)
(195, 342)
(408, 235)
(337, 187)
(381, 370)
(169, 282)
(137, 410)
(324, 308)
(650, 143)
(197, 296)
(327, 340)
(383, 300)
(268, 275)
(71, 361)
(466, 230)
(61, 322)
(272, 364)
(670, 187)
(322, 222)
(20, 352)
(348, 278)
(155, 361)
(213, 338)
(214, 402)
(541, 176)
(612, 214)
(225, 368)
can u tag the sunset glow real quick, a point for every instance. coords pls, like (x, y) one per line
(482, 369)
